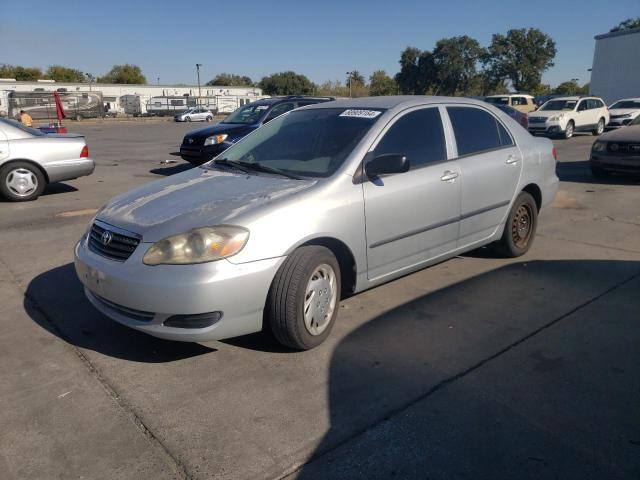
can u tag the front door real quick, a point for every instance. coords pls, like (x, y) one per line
(490, 166)
(412, 217)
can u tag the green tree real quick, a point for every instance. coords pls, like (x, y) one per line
(124, 74)
(286, 83)
(21, 74)
(231, 80)
(416, 75)
(521, 56)
(332, 89)
(355, 78)
(571, 87)
(455, 62)
(382, 84)
(628, 24)
(64, 74)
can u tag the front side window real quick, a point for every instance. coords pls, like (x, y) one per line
(477, 130)
(312, 143)
(418, 135)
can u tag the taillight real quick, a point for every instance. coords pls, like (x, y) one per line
(85, 152)
(554, 152)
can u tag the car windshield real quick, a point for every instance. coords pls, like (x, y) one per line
(247, 115)
(20, 126)
(311, 143)
(626, 104)
(498, 100)
(559, 105)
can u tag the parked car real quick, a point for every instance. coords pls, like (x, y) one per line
(202, 145)
(30, 159)
(326, 200)
(617, 151)
(566, 115)
(521, 118)
(195, 115)
(521, 102)
(623, 112)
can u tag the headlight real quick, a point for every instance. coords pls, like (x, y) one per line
(215, 140)
(599, 146)
(555, 118)
(199, 245)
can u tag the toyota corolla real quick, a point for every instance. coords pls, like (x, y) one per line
(321, 202)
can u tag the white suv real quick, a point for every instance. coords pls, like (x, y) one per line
(566, 115)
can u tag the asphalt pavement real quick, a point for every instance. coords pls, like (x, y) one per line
(476, 368)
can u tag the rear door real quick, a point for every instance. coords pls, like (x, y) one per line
(4, 145)
(490, 164)
(412, 217)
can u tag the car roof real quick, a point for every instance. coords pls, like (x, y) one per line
(509, 95)
(390, 102)
(273, 100)
(626, 99)
(575, 97)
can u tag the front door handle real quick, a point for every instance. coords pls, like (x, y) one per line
(449, 176)
(511, 159)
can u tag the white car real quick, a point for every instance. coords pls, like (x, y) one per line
(566, 115)
(623, 112)
(197, 114)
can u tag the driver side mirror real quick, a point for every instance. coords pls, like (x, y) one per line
(386, 164)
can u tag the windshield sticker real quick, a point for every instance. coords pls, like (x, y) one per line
(261, 107)
(360, 113)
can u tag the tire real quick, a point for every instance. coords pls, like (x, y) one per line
(187, 119)
(21, 182)
(599, 172)
(209, 118)
(516, 242)
(79, 117)
(599, 128)
(568, 132)
(303, 279)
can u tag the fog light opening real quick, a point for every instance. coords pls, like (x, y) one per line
(201, 320)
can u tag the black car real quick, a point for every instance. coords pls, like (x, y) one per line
(202, 145)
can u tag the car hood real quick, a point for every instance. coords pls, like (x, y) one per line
(228, 128)
(196, 198)
(626, 134)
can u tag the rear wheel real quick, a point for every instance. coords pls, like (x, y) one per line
(568, 132)
(21, 182)
(188, 119)
(303, 299)
(520, 228)
(209, 118)
(599, 128)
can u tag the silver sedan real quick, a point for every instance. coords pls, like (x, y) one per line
(29, 159)
(326, 200)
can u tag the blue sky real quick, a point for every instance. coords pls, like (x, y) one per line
(322, 39)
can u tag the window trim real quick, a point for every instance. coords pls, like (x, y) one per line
(479, 152)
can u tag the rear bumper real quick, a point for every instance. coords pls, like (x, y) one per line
(69, 169)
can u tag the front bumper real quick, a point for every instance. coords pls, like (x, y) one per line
(616, 163)
(545, 128)
(615, 123)
(200, 154)
(144, 297)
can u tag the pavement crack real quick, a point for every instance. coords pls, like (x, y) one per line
(177, 466)
(447, 381)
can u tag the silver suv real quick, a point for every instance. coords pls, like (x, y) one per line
(325, 200)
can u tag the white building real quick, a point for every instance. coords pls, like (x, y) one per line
(112, 93)
(616, 66)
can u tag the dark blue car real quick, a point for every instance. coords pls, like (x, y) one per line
(202, 145)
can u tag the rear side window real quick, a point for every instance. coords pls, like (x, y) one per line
(519, 101)
(418, 135)
(477, 130)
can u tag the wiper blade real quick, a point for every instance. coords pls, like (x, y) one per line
(264, 168)
(231, 163)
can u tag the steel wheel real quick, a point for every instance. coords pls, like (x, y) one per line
(521, 226)
(568, 133)
(320, 299)
(21, 182)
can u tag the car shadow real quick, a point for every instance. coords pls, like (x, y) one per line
(172, 170)
(386, 420)
(580, 172)
(55, 300)
(56, 188)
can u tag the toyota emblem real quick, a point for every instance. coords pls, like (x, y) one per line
(106, 238)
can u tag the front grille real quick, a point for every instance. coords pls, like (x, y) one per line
(119, 247)
(195, 141)
(537, 119)
(138, 315)
(628, 148)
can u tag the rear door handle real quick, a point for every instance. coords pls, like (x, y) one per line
(449, 176)
(511, 159)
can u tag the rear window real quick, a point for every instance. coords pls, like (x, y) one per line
(15, 124)
(498, 100)
(477, 130)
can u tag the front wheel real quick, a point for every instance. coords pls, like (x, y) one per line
(209, 118)
(599, 128)
(21, 182)
(302, 304)
(568, 132)
(520, 228)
